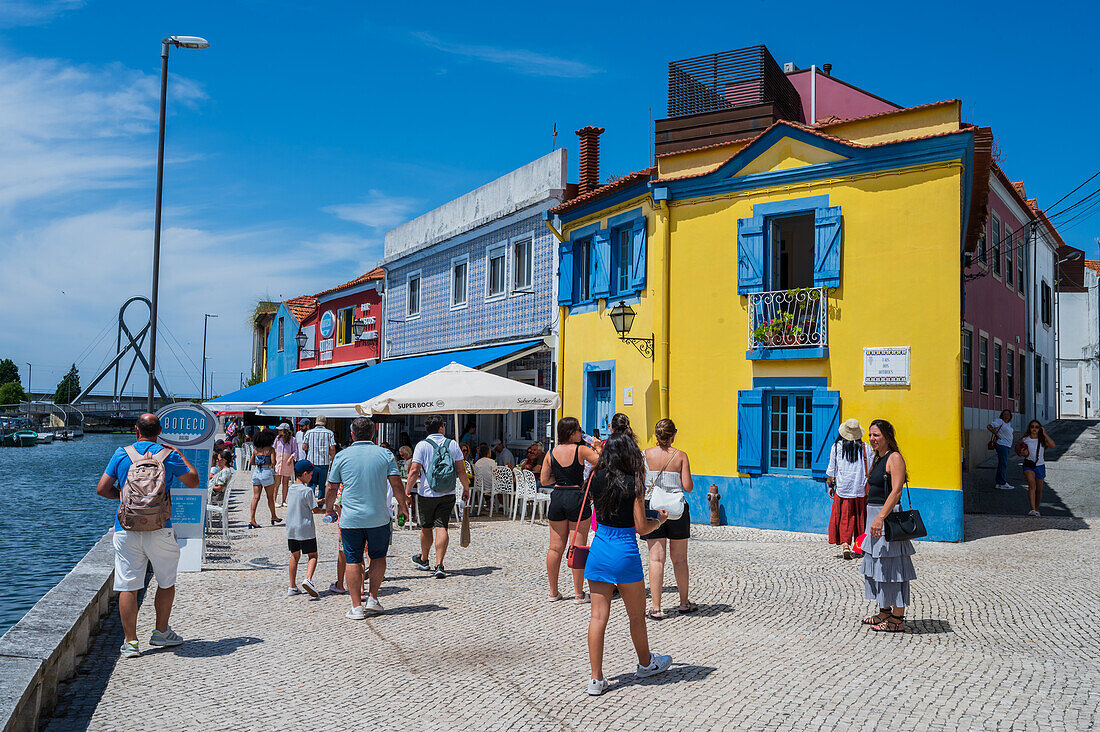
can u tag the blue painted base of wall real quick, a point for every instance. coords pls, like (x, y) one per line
(794, 503)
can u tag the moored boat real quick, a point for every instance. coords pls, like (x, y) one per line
(45, 438)
(25, 438)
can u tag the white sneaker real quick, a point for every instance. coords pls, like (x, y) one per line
(292, 591)
(308, 586)
(167, 638)
(597, 686)
(656, 665)
(130, 649)
(1006, 487)
(1033, 512)
(356, 613)
(373, 605)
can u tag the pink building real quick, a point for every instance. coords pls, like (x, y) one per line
(832, 99)
(995, 336)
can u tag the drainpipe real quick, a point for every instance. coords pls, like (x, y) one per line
(661, 292)
(562, 314)
(813, 94)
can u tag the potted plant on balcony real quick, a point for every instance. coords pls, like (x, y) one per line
(778, 331)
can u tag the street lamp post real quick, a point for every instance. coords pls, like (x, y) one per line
(179, 42)
(202, 383)
(30, 394)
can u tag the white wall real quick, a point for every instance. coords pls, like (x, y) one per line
(1041, 253)
(524, 187)
(1079, 349)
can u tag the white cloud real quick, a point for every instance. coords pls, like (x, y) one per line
(379, 211)
(33, 12)
(517, 59)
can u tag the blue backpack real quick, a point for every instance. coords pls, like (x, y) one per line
(441, 473)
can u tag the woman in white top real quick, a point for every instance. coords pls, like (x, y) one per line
(1001, 429)
(669, 468)
(1035, 466)
(846, 477)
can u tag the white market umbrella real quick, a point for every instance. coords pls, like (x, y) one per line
(458, 389)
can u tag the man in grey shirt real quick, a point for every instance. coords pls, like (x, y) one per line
(365, 470)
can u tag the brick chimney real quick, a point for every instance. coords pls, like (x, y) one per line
(590, 158)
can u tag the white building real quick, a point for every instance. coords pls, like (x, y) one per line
(1043, 243)
(1078, 340)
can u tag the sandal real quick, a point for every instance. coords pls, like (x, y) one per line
(555, 598)
(892, 624)
(253, 526)
(880, 617)
(689, 607)
(847, 552)
(655, 614)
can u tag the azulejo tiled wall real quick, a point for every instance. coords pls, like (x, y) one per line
(482, 321)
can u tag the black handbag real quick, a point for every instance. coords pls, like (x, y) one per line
(901, 525)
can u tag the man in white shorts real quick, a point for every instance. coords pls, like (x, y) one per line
(136, 550)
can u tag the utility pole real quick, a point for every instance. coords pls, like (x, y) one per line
(30, 395)
(202, 381)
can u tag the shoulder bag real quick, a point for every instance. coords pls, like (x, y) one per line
(660, 498)
(578, 554)
(902, 525)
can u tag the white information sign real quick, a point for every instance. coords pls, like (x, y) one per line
(190, 429)
(628, 396)
(886, 366)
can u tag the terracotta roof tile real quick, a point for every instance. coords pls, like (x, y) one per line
(603, 190)
(1093, 264)
(375, 274)
(301, 306)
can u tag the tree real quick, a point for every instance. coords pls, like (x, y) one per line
(68, 387)
(12, 393)
(257, 377)
(9, 372)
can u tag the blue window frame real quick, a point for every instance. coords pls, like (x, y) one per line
(622, 240)
(601, 261)
(582, 270)
(790, 432)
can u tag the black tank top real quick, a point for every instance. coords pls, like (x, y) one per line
(620, 516)
(879, 480)
(568, 476)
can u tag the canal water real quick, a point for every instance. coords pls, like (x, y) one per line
(50, 515)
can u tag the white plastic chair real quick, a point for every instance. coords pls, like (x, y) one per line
(220, 509)
(477, 493)
(503, 485)
(458, 491)
(527, 491)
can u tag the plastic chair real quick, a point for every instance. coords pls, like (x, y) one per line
(503, 485)
(220, 509)
(527, 491)
(477, 493)
(458, 491)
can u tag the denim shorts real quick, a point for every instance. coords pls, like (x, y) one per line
(376, 541)
(1039, 470)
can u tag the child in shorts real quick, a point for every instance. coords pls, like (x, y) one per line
(301, 533)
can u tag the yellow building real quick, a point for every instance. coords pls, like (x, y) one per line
(763, 270)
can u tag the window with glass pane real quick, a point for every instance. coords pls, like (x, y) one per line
(413, 305)
(1023, 376)
(458, 284)
(521, 265)
(1020, 260)
(983, 365)
(1010, 267)
(996, 370)
(624, 259)
(496, 273)
(282, 333)
(1038, 374)
(995, 243)
(1010, 376)
(967, 363)
(344, 319)
(1045, 304)
(790, 432)
(582, 265)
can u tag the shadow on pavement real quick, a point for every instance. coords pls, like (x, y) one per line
(385, 590)
(984, 527)
(677, 673)
(413, 609)
(1065, 433)
(473, 571)
(199, 648)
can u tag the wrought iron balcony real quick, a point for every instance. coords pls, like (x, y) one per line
(789, 319)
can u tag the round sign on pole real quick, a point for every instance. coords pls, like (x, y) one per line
(190, 428)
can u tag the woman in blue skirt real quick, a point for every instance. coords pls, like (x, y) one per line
(617, 487)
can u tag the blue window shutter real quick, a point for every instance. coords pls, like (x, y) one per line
(827, 238)
(637, 251)
(750, 431)
(826, 420)
(601, 264)
(750, 255)
(565, 274)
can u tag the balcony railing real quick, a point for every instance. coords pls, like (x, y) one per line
(789, 319)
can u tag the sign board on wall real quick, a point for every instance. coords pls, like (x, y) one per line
(628, 396)
(886, 366)
(190, 428)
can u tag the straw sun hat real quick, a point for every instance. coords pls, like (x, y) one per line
(851, 430)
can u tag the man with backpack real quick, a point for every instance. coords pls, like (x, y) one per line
(140, 478)
(438, 466)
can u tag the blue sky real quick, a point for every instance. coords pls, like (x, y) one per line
(307, 130)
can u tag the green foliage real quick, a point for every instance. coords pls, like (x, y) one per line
(12, 393)
(9, 372)
(68, 387)
(257, 377)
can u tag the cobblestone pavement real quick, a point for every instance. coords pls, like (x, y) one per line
(1002, 636)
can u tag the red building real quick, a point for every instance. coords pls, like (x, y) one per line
(995, 335)
(346, 324)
